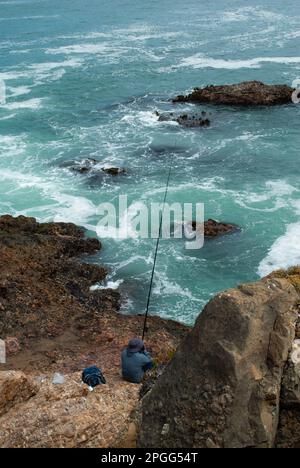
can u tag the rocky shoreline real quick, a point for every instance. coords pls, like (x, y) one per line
(232, 381)
(53, 323)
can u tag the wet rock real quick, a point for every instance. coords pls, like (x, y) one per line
(250, 93)
(186, 120)
(85, 166)
(237, 352)
(214, 228)
(114, 170)
(92, 166)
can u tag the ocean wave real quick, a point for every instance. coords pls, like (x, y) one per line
(199, 61)
(40, 71)
(248, 13)
(20, 18)
(285, 252)
(107, 285)
(29, 104)
(80, 49)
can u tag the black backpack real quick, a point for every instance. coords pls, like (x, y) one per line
(92, 376)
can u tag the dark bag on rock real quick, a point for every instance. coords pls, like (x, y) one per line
(92, 376)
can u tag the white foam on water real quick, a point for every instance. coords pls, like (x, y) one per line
(109, 285)
(80, 49)
(200, 61)
(20, 18)
(248, 13)
(49, 66)
(277, 191)
(30, 104)
(145, 118)
(126, 229)
(40, 71)
(7, 117)
(133, 259)
(209, 185)
(17, 91)
(164, 287)
(284, 253)
(74, 209)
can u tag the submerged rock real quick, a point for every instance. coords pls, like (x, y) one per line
(114, 170)
(93, 166)
(222, 389)
(85, 166)
(186, 120)
(249, 93)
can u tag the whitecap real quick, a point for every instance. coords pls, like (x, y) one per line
(284, 253)
(29, 104)
(109, 285)
(200, 61)
(80, 49)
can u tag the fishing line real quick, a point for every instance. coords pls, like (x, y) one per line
(156, 247)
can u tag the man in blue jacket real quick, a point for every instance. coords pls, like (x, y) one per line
(135, 361)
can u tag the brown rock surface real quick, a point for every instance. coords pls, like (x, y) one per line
(15, 388)
(222, 389)
(249, 93)
(66, 415)
(55, 323)
(214, 228)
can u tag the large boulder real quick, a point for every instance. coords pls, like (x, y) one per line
(249, 93)
(222, 389)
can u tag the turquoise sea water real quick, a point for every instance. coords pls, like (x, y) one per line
(84, 78)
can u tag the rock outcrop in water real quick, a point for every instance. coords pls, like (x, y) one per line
(214, 228)
(249, 93)
(93, 166)
(186, 120)
(224, 385)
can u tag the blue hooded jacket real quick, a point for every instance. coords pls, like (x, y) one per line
(135, 361)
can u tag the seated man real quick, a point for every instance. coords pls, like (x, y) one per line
(135, 361)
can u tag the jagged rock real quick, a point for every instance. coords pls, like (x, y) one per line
(15, 388)
(214, 228)
(66, 415)
(93, 166)
(250, 93)
(223, 386)
(186, 120)
(41, 276)
(288, 435)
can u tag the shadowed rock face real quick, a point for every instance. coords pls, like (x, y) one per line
(250, 93)
(223, 387)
